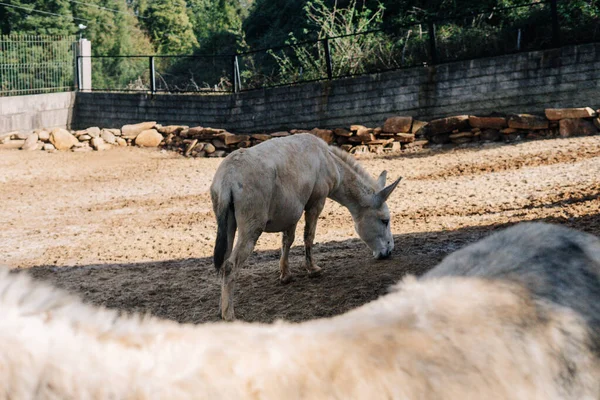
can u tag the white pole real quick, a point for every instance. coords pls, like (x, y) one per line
(85, 64)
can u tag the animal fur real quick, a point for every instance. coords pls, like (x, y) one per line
(496, 320)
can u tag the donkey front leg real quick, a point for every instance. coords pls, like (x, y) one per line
(287, 238)
(242, 250)
(311, 215)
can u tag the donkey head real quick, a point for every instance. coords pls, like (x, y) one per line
(373, 220)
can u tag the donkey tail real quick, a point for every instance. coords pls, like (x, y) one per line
(225, 217)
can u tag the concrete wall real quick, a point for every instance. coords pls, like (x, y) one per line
(22, 113)
(566, 77)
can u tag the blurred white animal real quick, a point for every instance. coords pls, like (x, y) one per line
(512, 317)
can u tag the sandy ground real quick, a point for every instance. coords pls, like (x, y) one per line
(133, 228)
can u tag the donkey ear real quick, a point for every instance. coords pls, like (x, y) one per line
(381, 196)
(381, 179)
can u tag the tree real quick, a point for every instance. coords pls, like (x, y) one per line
(211, 16)
(218, 29)
(112, 27)
(169, 26)
(15, 20)
(114, 30)
(270, 21)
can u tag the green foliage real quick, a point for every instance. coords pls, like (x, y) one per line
(35, 64)
(22, 21)
(218, 29)
(169, 27)
(465, 29)
(211, 17)
(270, 21)
(113, 34)
(579, 20)
(338, 21)
(349, 55)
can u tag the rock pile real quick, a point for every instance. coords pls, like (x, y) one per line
(400, 133)
(145, 134)
(557, 122)
(89, 139)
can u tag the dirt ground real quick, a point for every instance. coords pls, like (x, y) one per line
(133, 229)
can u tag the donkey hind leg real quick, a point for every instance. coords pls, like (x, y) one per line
(226, 268)
(287, 238)
(311, 215)
(242, 250)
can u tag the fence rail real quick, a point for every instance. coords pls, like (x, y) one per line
(436, 40)
(31, 64)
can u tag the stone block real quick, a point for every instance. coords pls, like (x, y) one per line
(12, 144)
(342, 132)
(132, 130)
(488, 122)
(260, 136)
(325, 134)
(62, 139)
(418, 127)
(575, 127)
(527, 121)
(447, 125)
(397, 124)
(148, 138)
(555, 114)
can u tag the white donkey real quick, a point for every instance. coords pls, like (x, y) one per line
(266, 188)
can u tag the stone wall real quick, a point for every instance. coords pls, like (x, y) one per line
(525, 82)
(23, 113)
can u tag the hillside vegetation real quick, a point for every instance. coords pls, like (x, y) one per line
(400, 35)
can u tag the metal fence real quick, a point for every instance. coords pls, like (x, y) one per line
(157, 73)
(432, 41)
(31, 64)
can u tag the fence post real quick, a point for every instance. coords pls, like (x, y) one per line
(76, 81)
(432, 44)
(77, 71)
(555, 26)
(405, 46)
(84, 65)
(235, 74)
(328, 59)
(152, 76)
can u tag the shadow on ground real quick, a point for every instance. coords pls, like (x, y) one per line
(188, 290)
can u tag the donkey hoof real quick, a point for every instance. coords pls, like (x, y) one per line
(228, 316)
(286, 279)
(314, 271)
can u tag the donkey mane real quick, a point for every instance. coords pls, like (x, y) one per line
(349, 160)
